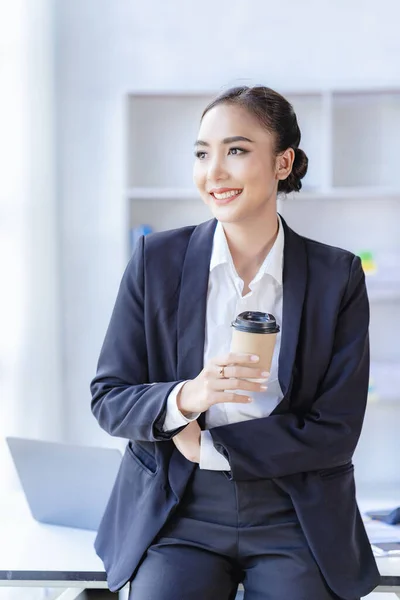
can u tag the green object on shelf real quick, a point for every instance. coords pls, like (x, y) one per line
(368, 262)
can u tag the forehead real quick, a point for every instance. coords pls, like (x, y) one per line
(226, 120)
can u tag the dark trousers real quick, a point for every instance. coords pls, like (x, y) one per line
(224, 533)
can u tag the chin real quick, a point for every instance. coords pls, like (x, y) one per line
(227, 215)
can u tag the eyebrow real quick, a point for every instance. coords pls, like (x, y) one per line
(228, 140)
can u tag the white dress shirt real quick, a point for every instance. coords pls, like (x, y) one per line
(224, 303)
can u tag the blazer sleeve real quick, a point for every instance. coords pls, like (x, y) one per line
(326, 436)
(124, 402)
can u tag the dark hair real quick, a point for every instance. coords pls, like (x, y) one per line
(277, 115)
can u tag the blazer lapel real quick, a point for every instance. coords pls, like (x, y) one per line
(294, 288)
(193, 301)
(193, 304)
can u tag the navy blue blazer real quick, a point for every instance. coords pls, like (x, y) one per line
(156, 339)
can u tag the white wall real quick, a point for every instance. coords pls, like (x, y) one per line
(107, 47)
(30, 350)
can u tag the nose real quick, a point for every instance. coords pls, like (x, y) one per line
(216, 170)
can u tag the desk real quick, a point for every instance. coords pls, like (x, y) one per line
(63, 559)
(36, 555)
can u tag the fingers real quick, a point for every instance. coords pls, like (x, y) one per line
(220, 397)
(239, 384)
(234, 358)
(238, 372)
(238, 366)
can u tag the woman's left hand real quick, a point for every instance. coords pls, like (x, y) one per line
(188, 442)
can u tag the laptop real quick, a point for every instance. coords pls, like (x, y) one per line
(65, 484)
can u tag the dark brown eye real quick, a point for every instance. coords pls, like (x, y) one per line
(237, 151)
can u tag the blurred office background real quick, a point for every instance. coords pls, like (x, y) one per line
(99, 106)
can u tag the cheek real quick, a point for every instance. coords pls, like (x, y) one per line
(251, 171)
(260, 174)
(198, 174)
(253, 176)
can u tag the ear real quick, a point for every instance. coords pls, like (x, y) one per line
(284, 164)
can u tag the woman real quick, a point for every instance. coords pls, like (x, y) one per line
(227, 480)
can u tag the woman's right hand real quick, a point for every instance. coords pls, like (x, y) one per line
(218, 380)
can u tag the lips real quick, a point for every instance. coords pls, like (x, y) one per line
(224, 195)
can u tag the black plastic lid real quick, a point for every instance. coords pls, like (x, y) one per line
(256, 322)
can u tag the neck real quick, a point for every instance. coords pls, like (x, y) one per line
(249, 244)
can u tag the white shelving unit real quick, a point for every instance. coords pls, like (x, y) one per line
(350, 198)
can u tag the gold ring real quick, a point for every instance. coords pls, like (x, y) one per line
(222, 372)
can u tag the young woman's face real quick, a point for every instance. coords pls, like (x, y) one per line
(236, 178)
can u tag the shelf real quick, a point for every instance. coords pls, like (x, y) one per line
(161, 132)
(364, 133)
(347, 193)
(384, 285)
(149, 193)
(383, 293)
(384, 383)
(343, 193)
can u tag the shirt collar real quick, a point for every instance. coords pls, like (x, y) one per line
(273, 262)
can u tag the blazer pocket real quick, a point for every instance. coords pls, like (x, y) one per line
(336, 471)
(143, 458)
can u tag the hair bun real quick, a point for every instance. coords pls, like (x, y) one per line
(300, 164)
(299, 169)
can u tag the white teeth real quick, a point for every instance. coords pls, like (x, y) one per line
(227, 194)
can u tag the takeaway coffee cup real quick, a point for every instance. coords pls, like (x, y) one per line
(255, 333)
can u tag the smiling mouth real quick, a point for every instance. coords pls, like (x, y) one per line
(226, 195)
